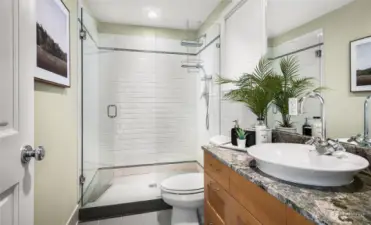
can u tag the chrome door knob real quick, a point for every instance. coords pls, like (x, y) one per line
(28, 152)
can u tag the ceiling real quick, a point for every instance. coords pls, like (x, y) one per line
(284, 15)
(177, 14)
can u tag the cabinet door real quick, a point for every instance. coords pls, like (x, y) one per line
(217, 170)
(265, 208)
(238, 215)
(211, 217)
(216, 197)
(294, 218)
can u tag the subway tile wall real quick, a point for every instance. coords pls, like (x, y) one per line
(155, 98)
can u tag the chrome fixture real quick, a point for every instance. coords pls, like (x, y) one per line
(196, 65)
(112, 111)
(322, 101)
(365, 140)
(326, 147)
(27, 152)
(366, 121)
(207, 79)
(323, 145)
(195, 44)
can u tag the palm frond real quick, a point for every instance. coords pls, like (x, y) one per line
(292, 86)
(255, 90)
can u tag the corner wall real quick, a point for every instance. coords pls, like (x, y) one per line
(344, 109)
(56, 177)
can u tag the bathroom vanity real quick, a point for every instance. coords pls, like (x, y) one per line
(237, 194)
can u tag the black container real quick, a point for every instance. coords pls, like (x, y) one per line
(307, 128)
(234, 133)
(234, 136)
(250, 138)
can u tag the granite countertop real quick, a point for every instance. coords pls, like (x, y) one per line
(324, 206)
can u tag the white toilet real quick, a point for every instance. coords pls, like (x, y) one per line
(185, 192)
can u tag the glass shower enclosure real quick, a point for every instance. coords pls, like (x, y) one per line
(142, 115)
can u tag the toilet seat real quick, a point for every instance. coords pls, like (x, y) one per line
(184, 184)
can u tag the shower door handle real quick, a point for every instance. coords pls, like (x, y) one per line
(112, 111)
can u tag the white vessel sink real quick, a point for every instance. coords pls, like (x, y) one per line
(303, 165)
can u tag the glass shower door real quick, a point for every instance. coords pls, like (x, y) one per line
(96, 121)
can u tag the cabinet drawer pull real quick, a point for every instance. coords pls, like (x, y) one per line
(211, 223)
(213, 188)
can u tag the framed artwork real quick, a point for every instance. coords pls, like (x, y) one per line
(53, 43)
(360, 65)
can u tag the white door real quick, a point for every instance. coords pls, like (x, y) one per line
(17, 68)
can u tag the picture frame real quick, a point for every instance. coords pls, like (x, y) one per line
(53, 43)
(360, 65)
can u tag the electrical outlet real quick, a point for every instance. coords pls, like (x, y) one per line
(293, 106)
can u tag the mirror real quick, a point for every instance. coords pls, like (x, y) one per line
(329, 41)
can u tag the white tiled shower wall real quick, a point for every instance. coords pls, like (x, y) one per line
(211, 61)
(155, 98)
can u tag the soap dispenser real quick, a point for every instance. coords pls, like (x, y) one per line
(234, 133)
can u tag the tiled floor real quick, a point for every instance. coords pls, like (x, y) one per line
(154, 218)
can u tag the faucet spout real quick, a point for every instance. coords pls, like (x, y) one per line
(316, 95)
(366, 121)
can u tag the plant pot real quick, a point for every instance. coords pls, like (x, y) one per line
(287, 129)
(241, 143)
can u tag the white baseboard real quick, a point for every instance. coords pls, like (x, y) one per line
(74, 218)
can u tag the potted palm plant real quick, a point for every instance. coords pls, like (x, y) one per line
(290, 86)
(255, 90)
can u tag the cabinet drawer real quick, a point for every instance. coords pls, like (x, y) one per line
(265, 208)
(211, 217)
(294, 218)
(238, 215)
(217, 170)
(216, 197)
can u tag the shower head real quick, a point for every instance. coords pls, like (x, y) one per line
(186, 43)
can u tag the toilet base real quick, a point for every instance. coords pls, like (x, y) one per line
(183, 216)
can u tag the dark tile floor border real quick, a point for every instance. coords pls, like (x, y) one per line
(126, 209)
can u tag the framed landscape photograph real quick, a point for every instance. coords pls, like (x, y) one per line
(360, 64)
(53, 43)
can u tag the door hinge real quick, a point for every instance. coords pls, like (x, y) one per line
(319, 53)
(82, 179)
(218, 45)
(82, 35)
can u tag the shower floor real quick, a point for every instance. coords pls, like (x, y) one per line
(139, 184)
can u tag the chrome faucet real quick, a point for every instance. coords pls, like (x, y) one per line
(323, 145)
(365, 140)
(366, 121)
(322, 101)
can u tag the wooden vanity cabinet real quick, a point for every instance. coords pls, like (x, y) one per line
(294, 218)
(238, 215)
(216, 197)
(231, 199)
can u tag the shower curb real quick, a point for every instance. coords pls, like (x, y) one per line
(126, 209)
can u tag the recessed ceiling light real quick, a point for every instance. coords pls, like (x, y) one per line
(152, 14)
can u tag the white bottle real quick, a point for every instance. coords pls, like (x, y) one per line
(317, 127)
(261, 133)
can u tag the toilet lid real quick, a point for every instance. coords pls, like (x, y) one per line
(184, 183)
